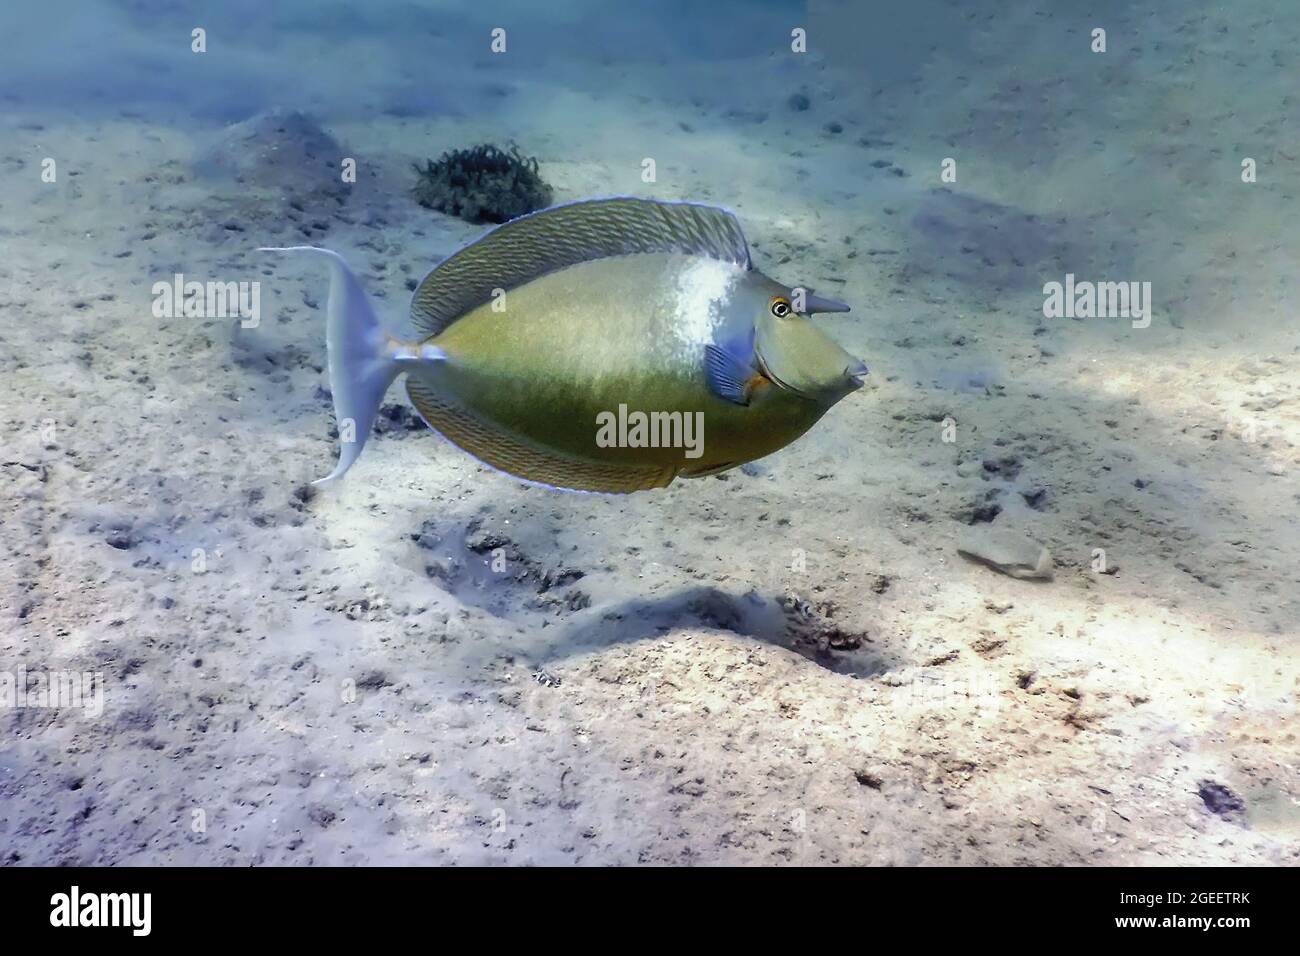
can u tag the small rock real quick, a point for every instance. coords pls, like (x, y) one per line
(373, 680)
(1035, 498)
(120, 539)
(1007, 551)
(839, 640)
(868, 779)
(397, 418)
(321, 816)
(1221, 801)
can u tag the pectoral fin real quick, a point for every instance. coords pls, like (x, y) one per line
(729, 377)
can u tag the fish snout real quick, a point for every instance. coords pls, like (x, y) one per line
(814, 304)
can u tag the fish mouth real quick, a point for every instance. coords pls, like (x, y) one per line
(855, 373)
(767, 370)
(853, 376)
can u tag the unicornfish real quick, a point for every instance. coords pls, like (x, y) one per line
(608, 345)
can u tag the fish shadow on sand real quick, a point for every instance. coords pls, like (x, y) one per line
(984, 245)
(782, 623)
(990, 250)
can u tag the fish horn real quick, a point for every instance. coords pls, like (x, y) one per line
(363, 358)
(813, 304)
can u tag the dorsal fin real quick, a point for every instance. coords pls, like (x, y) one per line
(519, 251)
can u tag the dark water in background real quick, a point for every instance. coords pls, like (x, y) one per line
(134, 54)
(1134, 153)
(390, 55)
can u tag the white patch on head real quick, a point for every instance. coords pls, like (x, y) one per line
(702, 289)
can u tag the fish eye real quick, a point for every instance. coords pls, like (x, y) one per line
(780, 307)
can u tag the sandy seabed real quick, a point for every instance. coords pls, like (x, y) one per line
(786, 664)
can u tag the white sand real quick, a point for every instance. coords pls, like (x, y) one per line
(784, 666)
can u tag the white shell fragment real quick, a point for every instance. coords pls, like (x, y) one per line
(1005, 550)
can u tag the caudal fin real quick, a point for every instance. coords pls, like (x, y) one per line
(362, 359)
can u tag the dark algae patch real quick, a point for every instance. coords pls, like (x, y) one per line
(482, 184)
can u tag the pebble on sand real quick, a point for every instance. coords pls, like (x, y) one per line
(1005, 550)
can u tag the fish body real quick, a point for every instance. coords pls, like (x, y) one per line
(571, 347)
(611, 345)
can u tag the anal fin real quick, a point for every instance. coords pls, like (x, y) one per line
(708, 470)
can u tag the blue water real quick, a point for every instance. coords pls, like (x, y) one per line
(936, 165)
